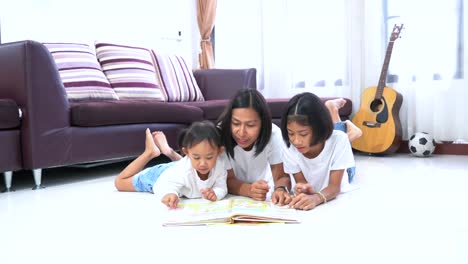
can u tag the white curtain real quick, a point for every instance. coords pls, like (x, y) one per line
(429, 63)
(289, 42)
(337, 48)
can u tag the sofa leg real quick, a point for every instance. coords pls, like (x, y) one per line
(37, 173)
(8, 175)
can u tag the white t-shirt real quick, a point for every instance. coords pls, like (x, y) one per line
(250, 168)
(336, 155)
(182, 179)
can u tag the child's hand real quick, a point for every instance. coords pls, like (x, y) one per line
(150, 146)
(208, 194)
(170, 200)
(304, 202)
(304, 188)
(259, 189)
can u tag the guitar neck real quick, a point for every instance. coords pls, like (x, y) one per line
(383, 73)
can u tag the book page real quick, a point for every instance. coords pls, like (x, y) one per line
(262, 211)
(201, 212)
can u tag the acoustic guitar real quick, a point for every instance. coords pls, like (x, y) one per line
(378, 114)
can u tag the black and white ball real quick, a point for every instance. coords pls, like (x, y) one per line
(421, 144)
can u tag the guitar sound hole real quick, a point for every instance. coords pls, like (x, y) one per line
(376, 105)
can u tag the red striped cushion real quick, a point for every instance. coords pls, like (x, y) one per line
(130, 71)
(177, 78)
(80, 72)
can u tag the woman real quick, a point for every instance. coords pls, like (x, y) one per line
(253, 149)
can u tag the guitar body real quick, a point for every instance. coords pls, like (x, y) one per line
(378, 118)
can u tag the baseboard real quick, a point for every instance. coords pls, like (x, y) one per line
(158, 160)
(98, 163)
(443, 148)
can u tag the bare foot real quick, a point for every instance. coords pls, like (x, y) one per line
(352, 131)
(150, 146)
(161, 142)
(338, 103)
(333, 107)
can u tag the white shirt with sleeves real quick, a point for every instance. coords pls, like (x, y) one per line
(183, 180)
(250, 168)
(336, 155)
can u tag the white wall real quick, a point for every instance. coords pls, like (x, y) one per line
(154, 23)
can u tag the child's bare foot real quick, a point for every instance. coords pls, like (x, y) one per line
(150, 147)
(352, 131)
(333, 107)
(338, 103)
(161, 142)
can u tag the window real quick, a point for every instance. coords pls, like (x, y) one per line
(317, 36)
(432, 39)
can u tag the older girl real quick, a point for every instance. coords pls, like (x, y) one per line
(317, 155)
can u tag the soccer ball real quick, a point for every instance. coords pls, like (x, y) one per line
(421, 144)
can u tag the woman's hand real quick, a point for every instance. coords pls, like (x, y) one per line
(170, 200)
(305, 201)
(281, 197)
(259, 190)
(304, 188)
(208, 194)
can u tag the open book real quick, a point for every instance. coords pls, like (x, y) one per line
(229, 211)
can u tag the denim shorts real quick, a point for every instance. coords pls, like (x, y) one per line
(351, 171)
(145, 179)
(340, 126)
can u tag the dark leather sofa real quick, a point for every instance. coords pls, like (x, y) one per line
(55, 132)
(10, 150)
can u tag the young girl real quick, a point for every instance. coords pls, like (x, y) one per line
(317, 155)
(253, 148)
(198, 174)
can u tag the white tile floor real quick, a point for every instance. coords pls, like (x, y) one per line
(406, 210)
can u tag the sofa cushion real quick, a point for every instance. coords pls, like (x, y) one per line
(131, 71)
(177, 78)
(9, 114)
(91, 114)
(80, 72)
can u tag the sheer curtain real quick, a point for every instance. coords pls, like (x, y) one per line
(296, 45)
(429, 63)
(338, 48)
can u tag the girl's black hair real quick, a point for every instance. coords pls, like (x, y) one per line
(246, 98)
(308, 110)
(197, 132)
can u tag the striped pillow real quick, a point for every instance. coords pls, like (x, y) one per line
(80, 72)
(177, 78)
(130, 71)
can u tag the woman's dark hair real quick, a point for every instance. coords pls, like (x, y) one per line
(246, 98)
(308, 110)
(197, 132)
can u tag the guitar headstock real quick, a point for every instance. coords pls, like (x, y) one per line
(396, 32)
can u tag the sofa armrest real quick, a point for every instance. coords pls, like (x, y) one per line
(29, 76)
(224, 83)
